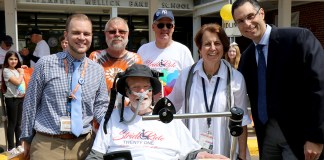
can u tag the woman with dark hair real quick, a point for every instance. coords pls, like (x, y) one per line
(13, 87)
(216, 87)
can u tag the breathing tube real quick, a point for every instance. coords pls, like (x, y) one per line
(113, 95)
(141, 98)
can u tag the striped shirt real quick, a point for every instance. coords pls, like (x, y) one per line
(46, 98)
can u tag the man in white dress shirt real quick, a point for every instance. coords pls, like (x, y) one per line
(41, 49)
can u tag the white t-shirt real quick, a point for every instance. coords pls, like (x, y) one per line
(219, 125)
(146, 140)
(41, 49)
(170, 61)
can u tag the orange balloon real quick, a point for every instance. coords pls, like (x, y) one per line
(226, 12)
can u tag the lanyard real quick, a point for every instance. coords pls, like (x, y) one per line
(205, 98)
(66, 66)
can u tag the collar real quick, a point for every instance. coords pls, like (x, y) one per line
(70, 59)
(221, 71)
(265, 38)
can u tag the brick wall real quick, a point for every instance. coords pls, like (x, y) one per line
(311, 16)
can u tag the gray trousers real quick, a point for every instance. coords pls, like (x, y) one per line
(275, 146)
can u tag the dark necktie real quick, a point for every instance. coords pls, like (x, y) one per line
(76, 110)
(262, 89)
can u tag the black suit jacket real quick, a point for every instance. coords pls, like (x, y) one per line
(295, 86)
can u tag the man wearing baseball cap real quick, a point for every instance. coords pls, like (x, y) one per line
(41, 49)
(164, 54)
(6, 43)
(144, 139)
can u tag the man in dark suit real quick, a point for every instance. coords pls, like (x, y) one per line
(285, 84)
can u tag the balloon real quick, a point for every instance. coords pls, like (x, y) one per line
(226, 12)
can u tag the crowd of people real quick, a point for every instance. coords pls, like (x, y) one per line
(79, 107)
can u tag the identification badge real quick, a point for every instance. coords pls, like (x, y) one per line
(65, 124)
(206, 140)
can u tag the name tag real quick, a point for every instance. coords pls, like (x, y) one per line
(206, 140)
(65, 124)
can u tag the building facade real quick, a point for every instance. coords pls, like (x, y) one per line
(17, 17)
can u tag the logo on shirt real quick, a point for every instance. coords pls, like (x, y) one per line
(161, 64)
(138, 138)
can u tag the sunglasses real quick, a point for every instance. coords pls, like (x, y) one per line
(161, 25)
(119, 31)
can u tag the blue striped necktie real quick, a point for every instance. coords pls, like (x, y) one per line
(76, 106)
(262, 89)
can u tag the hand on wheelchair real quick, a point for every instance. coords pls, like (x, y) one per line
(205, 155)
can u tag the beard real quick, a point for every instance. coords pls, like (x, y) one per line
(117, 46)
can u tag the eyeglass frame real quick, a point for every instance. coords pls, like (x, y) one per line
(122, 32)
(249, 17)
(158, 25)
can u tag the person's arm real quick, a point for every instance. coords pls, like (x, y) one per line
(25, 52)
(193, 154)
(33, 58)
(101, 101)
(26, 146)
(31, 102)
(203, 153)
(17, 80)
(94, 155)
(241, 101)
(312, 150)
(242, 142)
(314, 55)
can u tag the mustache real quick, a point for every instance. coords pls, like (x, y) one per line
(117, 39)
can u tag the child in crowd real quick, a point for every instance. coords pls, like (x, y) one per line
(13, 87)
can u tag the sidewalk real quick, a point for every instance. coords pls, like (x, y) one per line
(253, 143)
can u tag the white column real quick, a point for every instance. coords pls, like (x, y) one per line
(10, 8)
(284, 13)
(113, 12)
(153, 7)
(195, 27)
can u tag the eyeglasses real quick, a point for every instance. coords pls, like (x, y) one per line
(115, 31)
(248, 18)
(161, 25)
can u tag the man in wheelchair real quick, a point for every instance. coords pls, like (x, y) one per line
(125, 135)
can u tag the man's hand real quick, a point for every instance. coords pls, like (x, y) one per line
(203, 155)
(26, 146)
(312, 150)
